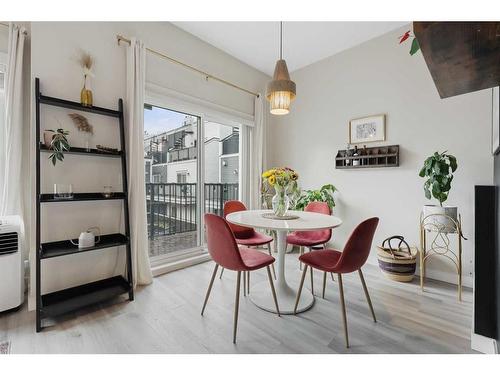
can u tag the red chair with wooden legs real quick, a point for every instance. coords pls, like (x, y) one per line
(225, 252)
(247, 237)
(353, 257)
(310, 239)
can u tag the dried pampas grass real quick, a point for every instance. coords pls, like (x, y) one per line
(81, 123)
(86, 61)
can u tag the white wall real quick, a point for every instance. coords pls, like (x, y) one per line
(380, 76)
(55, 51)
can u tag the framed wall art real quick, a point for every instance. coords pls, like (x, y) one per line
(367, 129)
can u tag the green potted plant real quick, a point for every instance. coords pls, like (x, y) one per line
(438, 170)
(323, 194)
(58, 144)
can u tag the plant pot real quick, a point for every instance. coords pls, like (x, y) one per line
(437, 218)
(47, 138)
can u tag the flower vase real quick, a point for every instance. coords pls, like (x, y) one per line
(86, 94)
(280, 201)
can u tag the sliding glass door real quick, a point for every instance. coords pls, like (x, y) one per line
(221, 160)
(180, 151)
(171, 161)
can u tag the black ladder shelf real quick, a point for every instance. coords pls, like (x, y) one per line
(71, 299)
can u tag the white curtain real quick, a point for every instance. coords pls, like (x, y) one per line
(257, 152)
(11, 133)
(134, 128)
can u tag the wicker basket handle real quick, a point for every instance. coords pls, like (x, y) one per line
(401, 240)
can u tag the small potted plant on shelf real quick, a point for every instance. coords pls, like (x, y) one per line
(58, 144)
(323, 194)
(438, 169)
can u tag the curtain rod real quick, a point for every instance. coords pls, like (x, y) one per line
(121, 38)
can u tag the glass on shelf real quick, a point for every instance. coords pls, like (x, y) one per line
(63, 191)
(108, 191)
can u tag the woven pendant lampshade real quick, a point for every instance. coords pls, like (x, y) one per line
(281, 90)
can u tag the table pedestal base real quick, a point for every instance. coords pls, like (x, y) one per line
(260, 295)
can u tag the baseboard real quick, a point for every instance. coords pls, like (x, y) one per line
(177, 265)
(483, 344)
(433, 274)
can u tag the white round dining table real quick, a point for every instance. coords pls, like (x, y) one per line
(286, 291)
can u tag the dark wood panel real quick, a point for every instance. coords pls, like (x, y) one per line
(485, 244)
(461, 56)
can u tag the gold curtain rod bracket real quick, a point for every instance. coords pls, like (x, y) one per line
(208, 76)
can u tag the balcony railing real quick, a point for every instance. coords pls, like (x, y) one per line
(182, 154)
(171, 207)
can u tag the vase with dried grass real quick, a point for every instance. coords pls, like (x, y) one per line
(86, 98)
(83, 126)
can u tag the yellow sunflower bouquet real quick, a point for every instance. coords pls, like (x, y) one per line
(282, 177)
(279, 182)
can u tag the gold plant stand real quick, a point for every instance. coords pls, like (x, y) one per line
(439, 227)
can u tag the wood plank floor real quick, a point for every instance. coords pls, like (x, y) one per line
(165, 318)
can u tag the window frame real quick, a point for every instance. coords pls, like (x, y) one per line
(206, 112)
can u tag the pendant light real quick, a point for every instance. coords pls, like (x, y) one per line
(281, 90)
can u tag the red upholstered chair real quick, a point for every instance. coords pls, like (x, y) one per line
(353, 257)
(225, 252)
(312, 238)
(246, 236)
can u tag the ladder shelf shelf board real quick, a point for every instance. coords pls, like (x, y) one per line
(81, 197)
(56, 102)
(61, 248)
(71, 299)
(79, 296)
(84, 151)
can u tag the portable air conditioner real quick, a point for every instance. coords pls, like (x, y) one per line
(11, 263)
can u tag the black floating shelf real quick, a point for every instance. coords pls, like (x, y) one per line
(77, 106)
(71, 299)
(83, 151)
(369, 157)
(61, 248)
(80, 197)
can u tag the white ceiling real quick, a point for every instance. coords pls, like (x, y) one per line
(257, 43)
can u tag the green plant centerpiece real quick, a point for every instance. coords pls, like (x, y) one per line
(58, 145)
(438, 170)
(323, 194)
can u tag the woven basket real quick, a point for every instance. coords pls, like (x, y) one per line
(397, 263)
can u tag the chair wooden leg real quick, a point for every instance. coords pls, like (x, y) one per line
(209, 288)
(312, 277)
(301, 251)
(333, 279)
(273, 290)
(236, 306)
(342, 304)
(270, 253)
(248, 282)
(221, 272)
(367, 295)
(244, 284)
(300, 289)
(324, 285)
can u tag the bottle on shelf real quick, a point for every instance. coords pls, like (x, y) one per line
(347, 154)
(355, 161)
